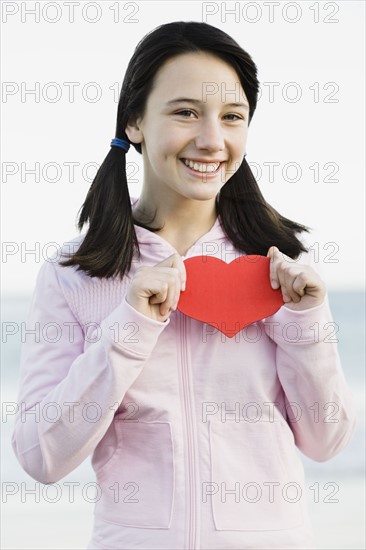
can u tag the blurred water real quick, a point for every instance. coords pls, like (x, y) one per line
(345, 471)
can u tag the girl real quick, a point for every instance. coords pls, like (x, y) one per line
(193, 435)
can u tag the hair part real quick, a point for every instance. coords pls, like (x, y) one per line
(252, 225)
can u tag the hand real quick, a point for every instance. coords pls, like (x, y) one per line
(301, 286)
(154, 291)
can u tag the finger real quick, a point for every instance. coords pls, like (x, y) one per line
(171, 298)
(300, 283)
(283, 280)
(176, 261)
(168, 280)
(158, 291)
(290, 276)
(280, 256)
(172, 276)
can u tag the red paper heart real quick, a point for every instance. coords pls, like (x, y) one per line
(229, 296)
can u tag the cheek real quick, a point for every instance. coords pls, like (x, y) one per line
(161, 152)
(170, 145)
(238, 149)
(239, 146)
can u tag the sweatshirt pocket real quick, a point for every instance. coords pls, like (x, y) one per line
(136, 484)
(256, 477)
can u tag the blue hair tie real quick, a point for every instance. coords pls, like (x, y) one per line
(123, 144)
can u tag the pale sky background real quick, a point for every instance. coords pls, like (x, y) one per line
(326, 59)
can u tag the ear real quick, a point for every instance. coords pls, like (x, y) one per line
(134, 132)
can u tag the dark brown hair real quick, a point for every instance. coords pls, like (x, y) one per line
(248, 220)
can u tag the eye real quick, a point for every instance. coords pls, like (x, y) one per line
(237, 117)
(184, 113)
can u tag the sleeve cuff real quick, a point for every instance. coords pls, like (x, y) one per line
(132, 331)
(306, 326)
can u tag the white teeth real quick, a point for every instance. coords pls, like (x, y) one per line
(202, 167)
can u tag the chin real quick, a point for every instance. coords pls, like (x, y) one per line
(203, 195)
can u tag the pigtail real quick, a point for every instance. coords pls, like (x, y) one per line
(109, 244)
(250, 222)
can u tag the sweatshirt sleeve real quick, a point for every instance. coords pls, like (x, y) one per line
(67, 396)
(320, 405)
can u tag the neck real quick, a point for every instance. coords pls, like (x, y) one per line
(182, 222)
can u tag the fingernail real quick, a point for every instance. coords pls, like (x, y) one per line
(274, 284)
(183, 287)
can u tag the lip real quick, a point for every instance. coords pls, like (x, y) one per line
(205, 161)
(202, 175)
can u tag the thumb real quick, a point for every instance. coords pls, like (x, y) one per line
(175, 260)
(272, 252)
(171, 261)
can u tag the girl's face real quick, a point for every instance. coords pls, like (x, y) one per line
(194, 130)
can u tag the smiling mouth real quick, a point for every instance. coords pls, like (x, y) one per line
(202, 167)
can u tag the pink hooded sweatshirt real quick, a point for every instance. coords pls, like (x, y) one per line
(193, 435)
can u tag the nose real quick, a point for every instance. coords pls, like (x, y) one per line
(210, 135)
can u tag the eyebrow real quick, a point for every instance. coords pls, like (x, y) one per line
(198, 102)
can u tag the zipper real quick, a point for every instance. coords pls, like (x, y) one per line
(189, 415)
